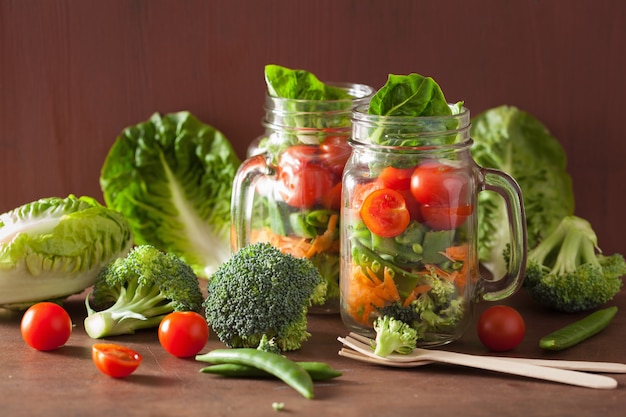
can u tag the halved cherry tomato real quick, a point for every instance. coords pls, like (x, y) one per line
(46, 326)
(115, 360)
(445, 218)
(384, 212)
(501, 328)
(183, 333)
(361, 191)
(441, 185)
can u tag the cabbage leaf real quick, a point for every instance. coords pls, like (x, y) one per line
(172, 177)
(513, 141)
(54, 247)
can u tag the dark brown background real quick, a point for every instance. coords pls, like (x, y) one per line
(73, 74)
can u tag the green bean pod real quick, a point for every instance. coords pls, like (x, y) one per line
(319, 371)
(281, 367)
(578, 331)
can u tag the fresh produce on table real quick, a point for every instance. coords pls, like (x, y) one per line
(183, 333)
(261, 291)
(565, 270)
(501, 328)
(46, 326)
(171, 177)
(288, 371)
(115, 360)
(513, 141)
(54, 247)
(578, 331)
(405, 222)
(139, 290)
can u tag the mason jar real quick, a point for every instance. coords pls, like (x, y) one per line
(288, 190)
(409, 226)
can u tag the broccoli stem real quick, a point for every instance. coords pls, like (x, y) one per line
(122, 317)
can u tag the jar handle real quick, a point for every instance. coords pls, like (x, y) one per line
(509, 190)
(242, 200)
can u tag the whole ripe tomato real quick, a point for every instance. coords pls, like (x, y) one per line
(115, 360)
(399, 179)
(501, 328)
(46, 326)
(445, 218)
(183, 333)
(441, 185)
(384, 212)
(334, 153)
(304, 180)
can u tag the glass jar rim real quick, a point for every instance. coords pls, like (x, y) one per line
(360, 93)
(360, 112)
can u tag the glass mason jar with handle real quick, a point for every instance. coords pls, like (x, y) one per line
(409, 226)
(288, 191)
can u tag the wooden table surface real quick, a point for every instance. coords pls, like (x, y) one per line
(66, 383)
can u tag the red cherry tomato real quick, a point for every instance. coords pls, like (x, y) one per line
(398, 179)
(183, 333)
(115, 360)
(304, 180)
(46, 326)
(332, 198)
(361, 191)
(501, 328)
(445, 218)
(441, 185)
(384, 212)
(334, 153)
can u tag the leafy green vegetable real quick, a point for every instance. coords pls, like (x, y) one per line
(393, 335)
(513, 141)
(409, 95)
(299, 84)
(172, 176)
(54, 247)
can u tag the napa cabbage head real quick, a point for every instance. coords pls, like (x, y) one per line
(171, 176)
(513, 141)
(54, 247)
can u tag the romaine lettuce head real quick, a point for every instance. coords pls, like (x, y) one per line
(172, 178)
(513, 141)
(55, 247)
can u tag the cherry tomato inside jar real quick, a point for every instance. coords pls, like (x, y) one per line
(384, 212)
(501, 328)
(46, 326)
(183, 333)
(115, 360)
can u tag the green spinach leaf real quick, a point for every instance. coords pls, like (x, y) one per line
(299, 84)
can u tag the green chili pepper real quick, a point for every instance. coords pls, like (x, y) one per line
(319, 371)
(281, 367)
(578, 331)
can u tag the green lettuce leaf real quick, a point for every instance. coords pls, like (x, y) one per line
(515, 142)
(55, 247)
(172, 177)
(299, 84)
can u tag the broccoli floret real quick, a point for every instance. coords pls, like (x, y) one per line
(139, 290)
(393, 336)
(566, 271)
(268, 345)
(261, 291)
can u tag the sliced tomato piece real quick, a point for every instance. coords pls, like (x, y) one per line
(384, 212)
(115, 360)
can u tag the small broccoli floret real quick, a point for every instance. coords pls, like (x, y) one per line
(393, 336)
(566, 272)
(139, 291)
(260, 291)
(268, 345)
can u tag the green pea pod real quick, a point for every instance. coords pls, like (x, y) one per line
(318, 371)
(578, 331)
(281, 367)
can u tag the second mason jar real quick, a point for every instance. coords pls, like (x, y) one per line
(409, 226)
(288, 191)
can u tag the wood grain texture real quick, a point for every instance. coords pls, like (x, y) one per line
(74, 73)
